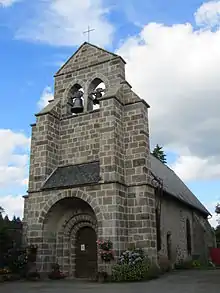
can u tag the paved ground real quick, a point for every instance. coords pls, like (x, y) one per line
(177, 282)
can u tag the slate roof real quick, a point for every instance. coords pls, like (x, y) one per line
(49, 107)
(89, 173)
(73, 175)
(174, 185)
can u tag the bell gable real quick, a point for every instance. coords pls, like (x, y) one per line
(86, 56)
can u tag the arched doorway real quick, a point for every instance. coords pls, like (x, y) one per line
(62, 226)
(85, 252)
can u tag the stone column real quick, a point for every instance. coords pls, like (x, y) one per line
(141, 198)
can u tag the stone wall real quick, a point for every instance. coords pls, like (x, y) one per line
(174, 215)
(80, 138)
(45, 147)
(173, 220)
(204, 237)
(141, 219)
(136, 138)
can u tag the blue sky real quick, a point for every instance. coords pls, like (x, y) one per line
(36, 37)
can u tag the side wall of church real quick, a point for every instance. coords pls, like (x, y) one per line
(204, 237)
(173, 220)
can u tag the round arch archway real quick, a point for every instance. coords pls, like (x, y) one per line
(91, 201)
(59, 219)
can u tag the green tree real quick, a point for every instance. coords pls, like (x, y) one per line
(6, 219)
(1, 210)
(217, 209)
(159, 154)
(18, 220)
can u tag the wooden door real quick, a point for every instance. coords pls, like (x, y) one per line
(86, 253)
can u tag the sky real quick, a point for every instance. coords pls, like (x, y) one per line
(173, 62)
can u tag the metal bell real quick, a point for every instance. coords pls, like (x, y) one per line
(96, 101)
(77, 103)
(97, 95)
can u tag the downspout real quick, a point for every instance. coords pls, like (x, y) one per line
(157, 183)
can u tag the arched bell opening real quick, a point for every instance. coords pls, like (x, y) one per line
(96, 90)
(76, 99)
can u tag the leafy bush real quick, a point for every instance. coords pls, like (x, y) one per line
(17, 260)
(193, 264)
(196, 264)
(132, 257)
(126, 272)
(133, 265)
(187, 264)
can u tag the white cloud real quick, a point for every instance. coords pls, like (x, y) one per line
(13, 205)
(208, 14)
(46, 96)
(176, 70)
(214, 220)
(7, 3)
(62, 22)
(194, 168)
(211, 207)
(13, 157)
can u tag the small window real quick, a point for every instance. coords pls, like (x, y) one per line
(158, 230)
(188, 237)
(169, 245)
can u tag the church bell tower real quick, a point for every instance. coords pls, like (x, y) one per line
(89, 166)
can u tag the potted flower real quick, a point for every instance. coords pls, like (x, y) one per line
(105, 250)
(56, 274)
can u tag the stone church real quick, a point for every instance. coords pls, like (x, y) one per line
(92, 175)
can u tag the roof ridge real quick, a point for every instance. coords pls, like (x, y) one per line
(162, 163)
(182, 191)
